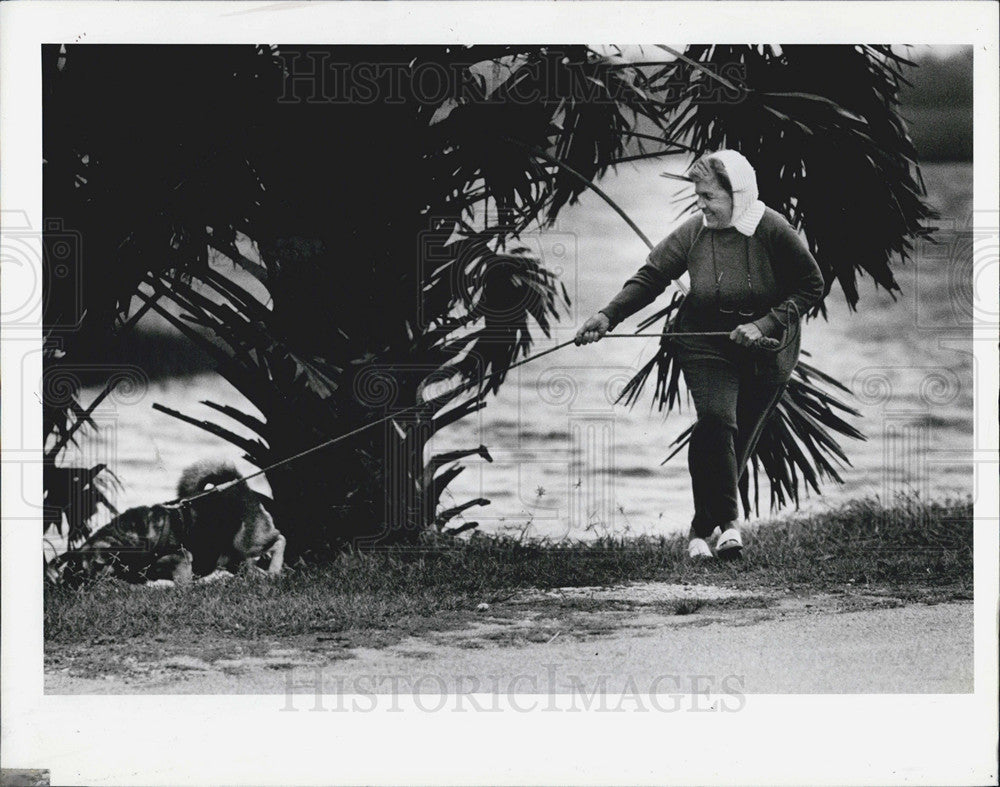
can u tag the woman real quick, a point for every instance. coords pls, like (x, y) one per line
(751, 276)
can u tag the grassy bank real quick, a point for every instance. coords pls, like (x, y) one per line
(909, 549)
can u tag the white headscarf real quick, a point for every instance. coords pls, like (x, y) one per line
(747, 209)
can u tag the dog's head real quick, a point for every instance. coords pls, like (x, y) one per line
(205, 475)
(232, 523)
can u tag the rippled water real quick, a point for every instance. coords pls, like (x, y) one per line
(571, 463)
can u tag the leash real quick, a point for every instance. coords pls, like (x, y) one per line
(765, 343)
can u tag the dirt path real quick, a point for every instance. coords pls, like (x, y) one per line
(649, 637)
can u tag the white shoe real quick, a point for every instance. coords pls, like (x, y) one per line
(698, 549)
(729, 545)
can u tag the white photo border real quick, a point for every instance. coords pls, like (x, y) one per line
(842, 739)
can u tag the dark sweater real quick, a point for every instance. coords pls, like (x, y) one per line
(781, 269)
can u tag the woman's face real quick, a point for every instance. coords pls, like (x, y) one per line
(714, 202)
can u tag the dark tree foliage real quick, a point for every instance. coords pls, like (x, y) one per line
(385, 211)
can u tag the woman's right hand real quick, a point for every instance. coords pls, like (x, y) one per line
(593, 329)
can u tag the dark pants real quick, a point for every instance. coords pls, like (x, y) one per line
(732, 403)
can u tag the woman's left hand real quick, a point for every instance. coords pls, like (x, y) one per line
(747, 335)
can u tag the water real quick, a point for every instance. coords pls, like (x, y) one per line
(570, 463)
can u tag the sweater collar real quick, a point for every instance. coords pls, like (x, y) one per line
(746, 224)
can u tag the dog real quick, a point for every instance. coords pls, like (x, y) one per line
(226, 530)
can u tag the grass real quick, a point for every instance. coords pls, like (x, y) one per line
(909, 548)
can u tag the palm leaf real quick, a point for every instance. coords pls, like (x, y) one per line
(253, 447)
(472, 170)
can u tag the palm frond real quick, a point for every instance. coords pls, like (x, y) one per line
(73, 496)
(253, 447)
(440, 282)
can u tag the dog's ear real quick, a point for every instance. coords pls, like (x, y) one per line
(196, 477)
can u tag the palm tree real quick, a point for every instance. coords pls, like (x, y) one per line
(386, 226)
